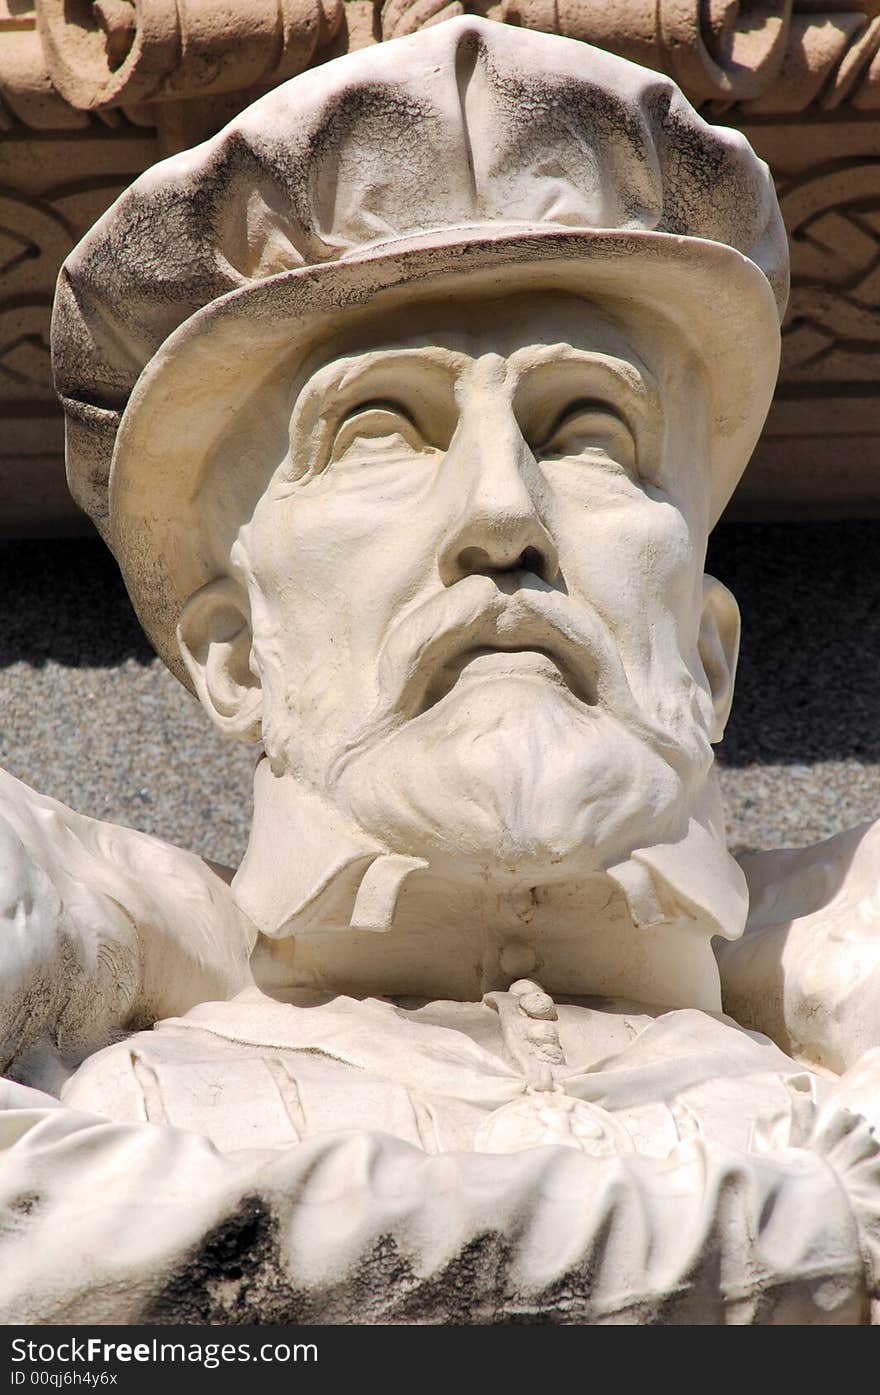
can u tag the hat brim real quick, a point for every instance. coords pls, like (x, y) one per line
(197, 383)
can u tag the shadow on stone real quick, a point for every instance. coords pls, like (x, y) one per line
(807, 688)
(64, 601)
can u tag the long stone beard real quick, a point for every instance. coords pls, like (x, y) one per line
(508, 771)
(513, 774)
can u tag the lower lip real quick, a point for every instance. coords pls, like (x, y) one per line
(516, 663)
(484, 664)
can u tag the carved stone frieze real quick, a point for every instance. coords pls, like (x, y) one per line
(833, 219)
(121, 51)
(61, 168)
(771, 55)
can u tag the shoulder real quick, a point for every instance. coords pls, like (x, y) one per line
(787, 884)
(807, 970)
(145, 874)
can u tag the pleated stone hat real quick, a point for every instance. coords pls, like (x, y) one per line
(469, 158)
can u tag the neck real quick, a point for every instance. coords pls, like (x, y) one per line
(339, 911)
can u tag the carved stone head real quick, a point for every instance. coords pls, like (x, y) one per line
(406, 405)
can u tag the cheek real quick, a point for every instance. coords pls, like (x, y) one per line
(335, 564)
(292, 573)
(633, 559)
(364, 559)
(358, 518)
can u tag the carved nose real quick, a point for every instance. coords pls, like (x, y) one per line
(479, 559)
(497, 527)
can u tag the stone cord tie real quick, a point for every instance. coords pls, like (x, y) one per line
(544, 1113)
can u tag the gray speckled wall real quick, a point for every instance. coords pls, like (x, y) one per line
(90, 716)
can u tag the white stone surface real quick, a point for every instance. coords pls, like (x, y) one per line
(407, 404)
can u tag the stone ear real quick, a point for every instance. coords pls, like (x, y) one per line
(718, 647)
(214, 636)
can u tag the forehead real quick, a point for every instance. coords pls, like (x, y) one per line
(537, 351)
(511, 327)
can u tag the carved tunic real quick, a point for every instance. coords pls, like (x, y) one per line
(485, 1077)
(335, 1160)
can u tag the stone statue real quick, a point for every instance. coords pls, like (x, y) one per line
(406, 405)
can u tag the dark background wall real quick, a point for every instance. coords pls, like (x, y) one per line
(90, 716)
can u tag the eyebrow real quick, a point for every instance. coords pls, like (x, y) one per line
(353, 372)
(625, 385)
(433, 357)
(629, 378)
(344, 378)
(629, 385)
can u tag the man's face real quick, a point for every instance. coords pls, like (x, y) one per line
(476, 586)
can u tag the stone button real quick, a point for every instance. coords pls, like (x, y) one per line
(537, 1003)
(524, 986)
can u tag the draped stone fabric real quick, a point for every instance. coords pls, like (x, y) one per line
(352, 1225)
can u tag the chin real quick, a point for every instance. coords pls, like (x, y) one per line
(516, 777)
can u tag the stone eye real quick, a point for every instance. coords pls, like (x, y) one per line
(589, 429)
(376, 430)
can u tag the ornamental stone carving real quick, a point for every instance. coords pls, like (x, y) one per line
(119, 52)
(768, 55)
